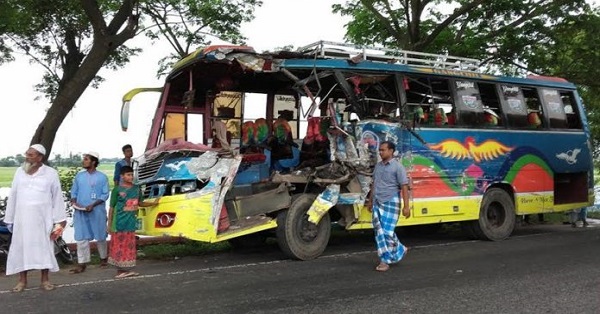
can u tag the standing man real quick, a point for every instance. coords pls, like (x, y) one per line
(89, 194)
(128, 153)
(36, 215)
(389, 181)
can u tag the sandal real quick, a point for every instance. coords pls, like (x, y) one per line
(78, 269)
(19, 287)
(382, 267)
(127, 274)
(103, 263)
(47, 286)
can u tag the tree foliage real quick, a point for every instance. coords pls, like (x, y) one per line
(190, 24)
(73, 40)
(485, 29)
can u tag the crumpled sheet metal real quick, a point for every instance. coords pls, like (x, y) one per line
(210, 166)
(323, 203)
(219, 198)
(345, 149)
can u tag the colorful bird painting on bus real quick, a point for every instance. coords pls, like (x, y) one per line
(488, 150)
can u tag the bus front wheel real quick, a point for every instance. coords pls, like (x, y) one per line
(297, 237)
(496, 216)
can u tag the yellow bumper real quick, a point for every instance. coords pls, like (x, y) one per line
(191, 213)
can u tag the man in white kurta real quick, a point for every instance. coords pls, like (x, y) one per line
(36, 211)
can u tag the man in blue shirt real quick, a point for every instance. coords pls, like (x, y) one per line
(389, 183)
(88, 196)
(128, 152)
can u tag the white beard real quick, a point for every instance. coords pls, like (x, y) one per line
(27, 166)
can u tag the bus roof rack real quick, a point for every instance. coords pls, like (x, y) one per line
(328, 49)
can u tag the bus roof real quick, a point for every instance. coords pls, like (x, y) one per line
(321, 55)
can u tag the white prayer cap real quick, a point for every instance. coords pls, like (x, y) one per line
(39, 148)
(94, 154)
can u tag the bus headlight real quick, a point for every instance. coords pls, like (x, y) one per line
(189, 186)
(184, 187)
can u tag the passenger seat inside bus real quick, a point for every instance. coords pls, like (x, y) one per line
(256, 162)
(315, 145)
(251, 150)
(285, 154)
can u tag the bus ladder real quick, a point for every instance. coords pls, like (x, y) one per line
(356, 53)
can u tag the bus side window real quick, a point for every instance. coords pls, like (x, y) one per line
(535, 113)
(571, 110)
(468, 103)
(492, 110)
(513, 104)
(429, 100)
(554, 108)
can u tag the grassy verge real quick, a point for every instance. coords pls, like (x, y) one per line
(168, 251)
(594, 215)
(7, 174)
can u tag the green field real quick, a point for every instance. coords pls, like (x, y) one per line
(7, 173)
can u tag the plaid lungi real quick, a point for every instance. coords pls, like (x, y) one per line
(385, 218)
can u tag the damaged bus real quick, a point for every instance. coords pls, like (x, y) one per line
(246, 145)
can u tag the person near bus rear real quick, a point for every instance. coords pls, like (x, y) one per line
(390, 187)
(128, 153)
(578, 214)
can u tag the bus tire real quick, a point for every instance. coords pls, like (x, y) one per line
(496, 216)
(296, 236)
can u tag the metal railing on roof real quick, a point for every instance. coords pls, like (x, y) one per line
(328, 49)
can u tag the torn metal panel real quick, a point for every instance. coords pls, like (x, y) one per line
(323, 203)
(210, 166)
(220, 197)
(262, 198)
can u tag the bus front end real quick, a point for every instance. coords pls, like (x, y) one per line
(187, 183)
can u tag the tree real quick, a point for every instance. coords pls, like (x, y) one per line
(73, 40)
(485, 29)
(572, 50)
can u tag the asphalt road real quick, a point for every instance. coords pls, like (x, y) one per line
(541, 269)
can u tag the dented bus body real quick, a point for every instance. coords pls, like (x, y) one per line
(246, 145)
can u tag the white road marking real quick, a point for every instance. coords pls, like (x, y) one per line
(212, 269)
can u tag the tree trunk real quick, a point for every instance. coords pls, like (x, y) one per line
(67, 96)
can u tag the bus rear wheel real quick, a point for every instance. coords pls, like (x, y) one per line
(297, 237)
(496, 216)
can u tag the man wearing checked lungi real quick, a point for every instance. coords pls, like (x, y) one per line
(389, 181)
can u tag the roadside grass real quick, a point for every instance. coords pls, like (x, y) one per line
(169, 251)
(593, 215)
(6, 176)
(7, 173)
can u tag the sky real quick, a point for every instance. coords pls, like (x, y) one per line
(93, 125)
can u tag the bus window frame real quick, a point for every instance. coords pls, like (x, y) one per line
(460, 106)
(540, 108)
(408, 106)
(575, 107)
(509, 110)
